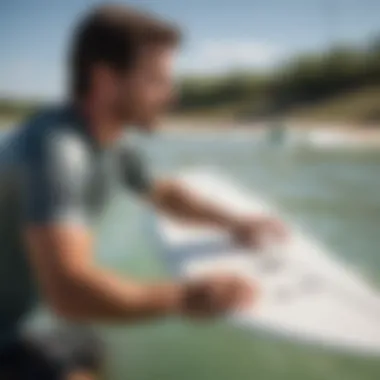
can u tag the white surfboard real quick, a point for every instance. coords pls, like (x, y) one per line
(306, 295)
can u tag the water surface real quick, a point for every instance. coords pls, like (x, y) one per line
(333, 194)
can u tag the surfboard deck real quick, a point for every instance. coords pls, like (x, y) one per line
(306, 294)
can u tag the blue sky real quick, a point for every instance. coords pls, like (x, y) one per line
(220, 35)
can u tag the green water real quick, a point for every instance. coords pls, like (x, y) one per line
(333, 194)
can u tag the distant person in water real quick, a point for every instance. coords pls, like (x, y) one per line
(55, 177)
(277, 132)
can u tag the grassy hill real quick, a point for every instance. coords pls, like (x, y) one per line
(361, 106)
(358, 107)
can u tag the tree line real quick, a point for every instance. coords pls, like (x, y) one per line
(305, 79)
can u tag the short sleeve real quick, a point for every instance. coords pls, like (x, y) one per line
(56, 171)
(134, 172)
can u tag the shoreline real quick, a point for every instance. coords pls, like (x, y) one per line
(320, 132)
(350, 132)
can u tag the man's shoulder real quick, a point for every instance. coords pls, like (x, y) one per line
(26, 138)
(51, 134)
(44, 117)
(52, 125)
(54, 119)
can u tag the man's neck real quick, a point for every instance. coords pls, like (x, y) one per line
(102, 126)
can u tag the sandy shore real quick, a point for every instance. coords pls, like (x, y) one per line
(348, 132)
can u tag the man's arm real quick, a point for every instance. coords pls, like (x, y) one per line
(76, 288)
(186, 205)
(182, 203)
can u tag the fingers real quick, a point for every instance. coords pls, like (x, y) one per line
(229, 293)
(218, 295)
(278, 228)
(259, 232)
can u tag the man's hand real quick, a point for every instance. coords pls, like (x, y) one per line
(257, 231)
(219, 294)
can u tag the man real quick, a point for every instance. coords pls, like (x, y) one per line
(55, 175)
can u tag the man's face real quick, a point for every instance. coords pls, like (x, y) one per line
(146, 91)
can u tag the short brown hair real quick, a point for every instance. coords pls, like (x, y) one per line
(113, 34)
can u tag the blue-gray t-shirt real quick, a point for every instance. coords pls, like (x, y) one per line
(51, 170)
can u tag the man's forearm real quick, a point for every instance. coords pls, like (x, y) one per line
(182, 203)
(93, 294)
(61, 256)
